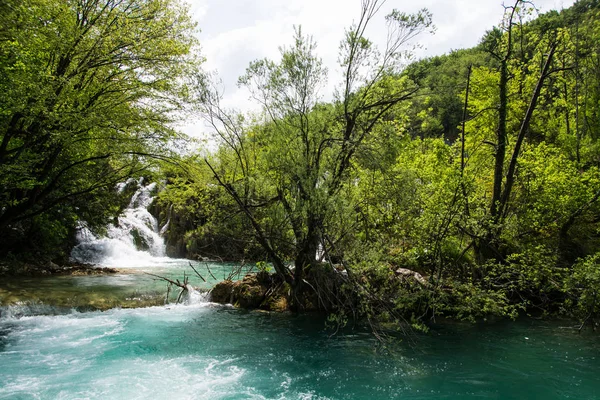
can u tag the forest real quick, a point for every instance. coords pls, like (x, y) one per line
(462, 186)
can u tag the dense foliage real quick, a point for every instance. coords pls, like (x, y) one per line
(477, 169)
(89, 89)
(465, 185)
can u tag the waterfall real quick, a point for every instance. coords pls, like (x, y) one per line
(135, 240)
(193, 296)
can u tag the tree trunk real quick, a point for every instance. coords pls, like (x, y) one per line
(500, 154)
(306, 257)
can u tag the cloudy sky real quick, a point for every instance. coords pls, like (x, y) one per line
(235, 32)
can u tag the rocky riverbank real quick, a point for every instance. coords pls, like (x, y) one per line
(255, 291)
(20, 268)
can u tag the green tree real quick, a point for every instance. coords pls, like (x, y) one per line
(302, 153)
(437, 111)
(90, 88)
(201, 218)
(504, 102)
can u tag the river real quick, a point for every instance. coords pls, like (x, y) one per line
(208, 351)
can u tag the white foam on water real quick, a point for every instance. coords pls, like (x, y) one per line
(22, 308)
(189, 377)
(192, 296)
(135, 228)
(88, 355)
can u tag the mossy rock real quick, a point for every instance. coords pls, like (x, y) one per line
(254, 291)
(249, 292)
(222, 292)
(277, 302)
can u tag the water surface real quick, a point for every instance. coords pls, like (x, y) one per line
(131, 287)
(205, 351)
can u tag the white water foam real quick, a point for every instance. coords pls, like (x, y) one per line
(192, 296)
(135, 241)
(109, 355)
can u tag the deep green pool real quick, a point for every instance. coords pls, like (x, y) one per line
(205, 351)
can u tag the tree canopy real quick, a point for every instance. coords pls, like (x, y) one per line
(477, 169)
(90, 89)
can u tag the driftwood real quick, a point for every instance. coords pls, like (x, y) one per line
(198, 273)
(172, 282)
(236, 272)
(209, 271)
(184, 286)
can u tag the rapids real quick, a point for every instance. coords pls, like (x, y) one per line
(205, 351)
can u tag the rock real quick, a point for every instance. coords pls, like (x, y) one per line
(222, 292)
(409, 273)
(276, 302)
(53, 268)
(252, 292)
(249, 292)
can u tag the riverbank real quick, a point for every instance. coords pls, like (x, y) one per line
(88, 287)
(45, 268)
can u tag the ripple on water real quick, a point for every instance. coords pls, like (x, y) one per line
(206, 351)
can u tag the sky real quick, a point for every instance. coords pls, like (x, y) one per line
(236, 32)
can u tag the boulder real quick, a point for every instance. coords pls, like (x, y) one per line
(249, 292)
(52, 267)
(405, 273)
(222, 292)
(254, 291)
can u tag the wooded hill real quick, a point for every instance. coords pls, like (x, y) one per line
(477, 169)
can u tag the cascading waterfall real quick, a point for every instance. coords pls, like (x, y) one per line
(134, 241)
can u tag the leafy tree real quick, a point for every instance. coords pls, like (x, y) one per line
(508, 109)
(437, 111)
(302, 159)
(91, 88)
(201, 218)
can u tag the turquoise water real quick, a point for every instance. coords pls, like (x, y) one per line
(131, 287)
(207, 351)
